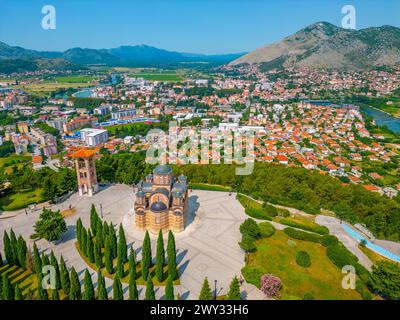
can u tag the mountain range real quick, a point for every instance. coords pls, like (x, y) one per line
(19, 59)
(324, 45)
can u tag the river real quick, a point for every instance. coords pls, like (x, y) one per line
(87, 92)
(382, 118)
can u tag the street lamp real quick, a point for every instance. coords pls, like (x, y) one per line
(215, 289)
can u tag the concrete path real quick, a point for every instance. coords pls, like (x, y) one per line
(335, 228)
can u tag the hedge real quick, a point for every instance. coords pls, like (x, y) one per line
(329, 240)
(267, 229)
(303, 259)
(270, 210)
(301, 235)
(257, 214)
(317, 229)
(253, 274)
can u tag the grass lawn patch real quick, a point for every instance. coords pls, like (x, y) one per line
(209, 187)
(19, 200)
(373, 256)
(277, 255)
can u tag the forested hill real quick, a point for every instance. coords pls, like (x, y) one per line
(294, 187)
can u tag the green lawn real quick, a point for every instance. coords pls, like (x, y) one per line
(16, 201)
(74, 79)
(165, 77)
(277, 255)
(210, 187)
(13, 159)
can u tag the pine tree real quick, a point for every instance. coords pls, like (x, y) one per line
(234, 289)
(55, 295)
(64, 276)
(90, 247)
(171, 251)
(18, 293)
(41, 292)
(146, 256)
(150, 294)
(133, 291)
(160, 257)
(88, 293)
(101, 287)
(75, 289)
(45, 260)
(117, 289)
(205, 293)
(54, 263)
(169, 289)
(122, 247)
(21, 252)
(14, 248)
(7, 290)
(7, 248)
(98, 256)
(94, 217)
(37, 260)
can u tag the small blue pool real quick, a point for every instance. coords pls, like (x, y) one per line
(370, 245)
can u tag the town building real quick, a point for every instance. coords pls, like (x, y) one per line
(93, 137)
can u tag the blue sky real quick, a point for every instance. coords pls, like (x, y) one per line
(199, 26)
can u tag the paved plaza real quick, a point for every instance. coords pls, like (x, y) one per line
(208, 246)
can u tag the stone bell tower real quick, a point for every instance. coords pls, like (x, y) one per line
(86, 171)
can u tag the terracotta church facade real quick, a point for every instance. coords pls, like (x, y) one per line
(161, 201)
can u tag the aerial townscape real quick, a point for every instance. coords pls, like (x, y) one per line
(89, 211)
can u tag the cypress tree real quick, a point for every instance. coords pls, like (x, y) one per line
(109, 260)
(1, 287)
(8, 290)
(117, 289)
(88, 293)
(14, 248)
(98, 257)
(169, 289)
(99, 233)
(18, 293)
(21, 252)
(150, 294)
(122, 247)
(1, 260)
(171, 251)
(160, 257)
(45, 260)
(105, 233)
(83, 245)
(205, 293)
(37, 260)
(146, 256)
(132, 263)
(120, 267)
(90, 247)
(55, 295)
(54, 263)
(93, 219)
(79, 231)
(101, 287)
(113, 239)
(41, 292)
(7, 248)
(234, 289)
(75, 289)
(64, 276)
(133, 291)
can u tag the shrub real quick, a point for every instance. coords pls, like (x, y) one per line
(257, 214)
(270, 210)
(253, 274)
(317, 229)
(270, 285)
(267, 229)
(308, 296)
(301, 235)
(303, 259)
(329, 240)
(247, 243)
(283, 213)
(385, 279)
(251, 228)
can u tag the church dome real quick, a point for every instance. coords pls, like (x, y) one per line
(162, 169)
(158, 206)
